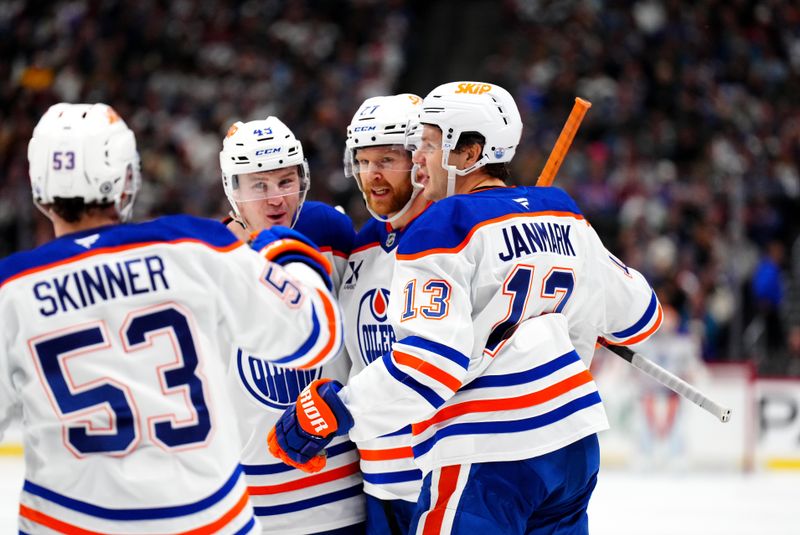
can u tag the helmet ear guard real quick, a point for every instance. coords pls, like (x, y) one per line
(381, 121)
(84, 151)
(258, 146)
(487, 109)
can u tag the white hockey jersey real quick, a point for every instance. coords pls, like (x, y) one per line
(387, 462)
(115, 342)
(287, 500)
(469, 270)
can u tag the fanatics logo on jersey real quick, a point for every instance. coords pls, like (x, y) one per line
(88, 241)
(272, 385)
(351, 281)
(375, 333)
(390, 238)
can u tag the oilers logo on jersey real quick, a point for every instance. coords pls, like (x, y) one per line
(375, 333)
(271, 385)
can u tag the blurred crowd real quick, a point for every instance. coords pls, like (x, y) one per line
(687, 164)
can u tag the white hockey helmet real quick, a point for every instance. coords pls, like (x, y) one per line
(488, 109)
(84, 151)
(256, 146)
(382, 121)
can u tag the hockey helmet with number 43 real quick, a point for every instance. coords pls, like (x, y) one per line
(258, 146)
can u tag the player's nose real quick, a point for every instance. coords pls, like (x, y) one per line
(275, 200)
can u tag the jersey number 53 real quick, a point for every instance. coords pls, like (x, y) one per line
(77, 398)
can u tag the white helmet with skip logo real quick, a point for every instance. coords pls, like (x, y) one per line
(488, 109)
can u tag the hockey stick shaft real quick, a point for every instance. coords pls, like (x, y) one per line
(666, 378)
(671, 381)
(563, 142)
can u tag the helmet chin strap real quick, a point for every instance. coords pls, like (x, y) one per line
(397, 215)
(47, 213)
(453, 171)
(416, 190)
(236, 216)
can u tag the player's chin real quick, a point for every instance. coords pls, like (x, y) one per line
(380, 206)
(432, 193)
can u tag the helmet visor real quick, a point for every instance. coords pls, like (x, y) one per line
(250, 187)
(378, 159)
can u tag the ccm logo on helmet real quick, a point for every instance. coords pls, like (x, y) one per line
(363, 128)
(473, 89)
(264, 152)
(311, 411)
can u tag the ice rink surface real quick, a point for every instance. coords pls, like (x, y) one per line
(626, 503)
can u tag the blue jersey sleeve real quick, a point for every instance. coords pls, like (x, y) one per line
(327, 227)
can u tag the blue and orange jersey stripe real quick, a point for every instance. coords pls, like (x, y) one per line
(466, 214)
(635, 334)
(505, 404)
(306, 482)
(455, 249)
(115, 239)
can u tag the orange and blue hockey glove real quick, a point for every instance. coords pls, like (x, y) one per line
(283, 245)
(308, 426)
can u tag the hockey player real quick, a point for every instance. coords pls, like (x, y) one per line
(265, 177)
(499, 295)
(111, 340)
(381, 166)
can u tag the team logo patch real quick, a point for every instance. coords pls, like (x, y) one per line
(271, 385)
(375, 333)
(499, 152)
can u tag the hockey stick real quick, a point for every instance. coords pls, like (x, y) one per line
(563, 142)
(671, 381)
(666, 378)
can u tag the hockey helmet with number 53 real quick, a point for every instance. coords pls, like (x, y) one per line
(84, 151)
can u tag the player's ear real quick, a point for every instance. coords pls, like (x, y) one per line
(473, 154)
